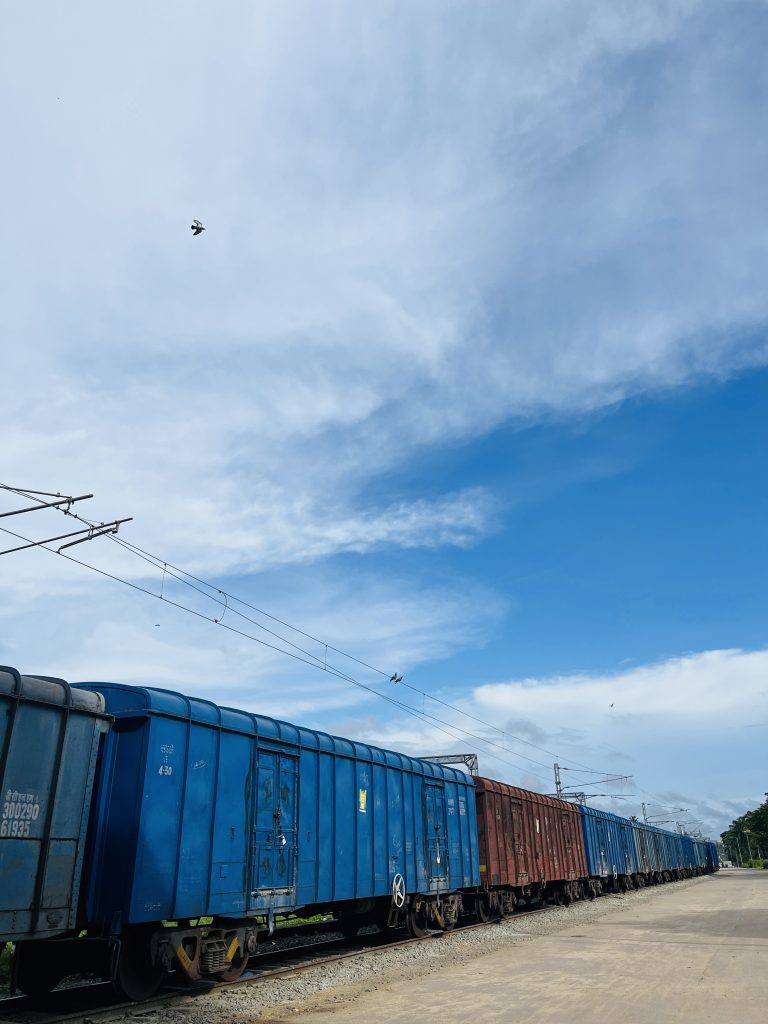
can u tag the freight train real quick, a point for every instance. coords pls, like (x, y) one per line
(143, 831)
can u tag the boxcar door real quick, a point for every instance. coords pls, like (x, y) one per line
(604, 845)
(516, 868)
(569, 864)
(274, 853)
(437, 835)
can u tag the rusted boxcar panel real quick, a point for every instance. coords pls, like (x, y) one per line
(526, 838)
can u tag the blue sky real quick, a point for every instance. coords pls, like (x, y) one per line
(466, 376)
(640, 531)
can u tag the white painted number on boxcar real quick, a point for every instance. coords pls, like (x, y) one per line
(166, 749)
(19, 811)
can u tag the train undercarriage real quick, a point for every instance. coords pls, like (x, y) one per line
(138, 960)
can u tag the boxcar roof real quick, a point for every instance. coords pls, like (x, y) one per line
(127, 701)
(48, 690)
(595, 812)
(491, 785)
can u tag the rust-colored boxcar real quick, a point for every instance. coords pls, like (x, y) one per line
(531, 846)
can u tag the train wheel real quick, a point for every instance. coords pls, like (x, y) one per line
(482, 908)
(450, 913)
(35, 973)
(416, 921)
(237, 966)
(506, 904)
(135, 977)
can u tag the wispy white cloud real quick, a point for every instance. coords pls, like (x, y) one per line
(718, 687)
(275, 527)
(105, 631)
(687, 721)
(421, 223)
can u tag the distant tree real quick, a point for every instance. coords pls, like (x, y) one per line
(747, 836)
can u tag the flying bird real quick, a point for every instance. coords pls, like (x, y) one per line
(196, 227)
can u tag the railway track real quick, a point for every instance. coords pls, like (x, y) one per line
(96, 1002)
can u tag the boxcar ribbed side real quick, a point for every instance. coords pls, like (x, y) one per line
(49, 739)
(529, 844)
(209, 812)
(610, 848)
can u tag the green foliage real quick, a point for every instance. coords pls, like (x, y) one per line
(288, 921)
(747, 838)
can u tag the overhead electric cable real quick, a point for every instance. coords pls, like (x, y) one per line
(177, 573)
(496, 728)
(430, 719)
(183, 577)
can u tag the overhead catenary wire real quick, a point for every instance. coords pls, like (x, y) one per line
(213, 593)
(326, 666)
(436, 723)
(179, 573)
(303, 656)
(503, 732)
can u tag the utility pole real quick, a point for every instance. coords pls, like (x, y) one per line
(747, 833)
(741, 856)
(580, 796)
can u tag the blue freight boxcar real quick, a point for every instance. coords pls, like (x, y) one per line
(610, 849)
(653, 852)
(209, 812)
(712, 858)
(694, 855)
(49, 737)
(207, 822)
(649, 854)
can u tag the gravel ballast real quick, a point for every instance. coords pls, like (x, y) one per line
(339, 983)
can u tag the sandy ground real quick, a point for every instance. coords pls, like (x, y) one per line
(686, 955)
